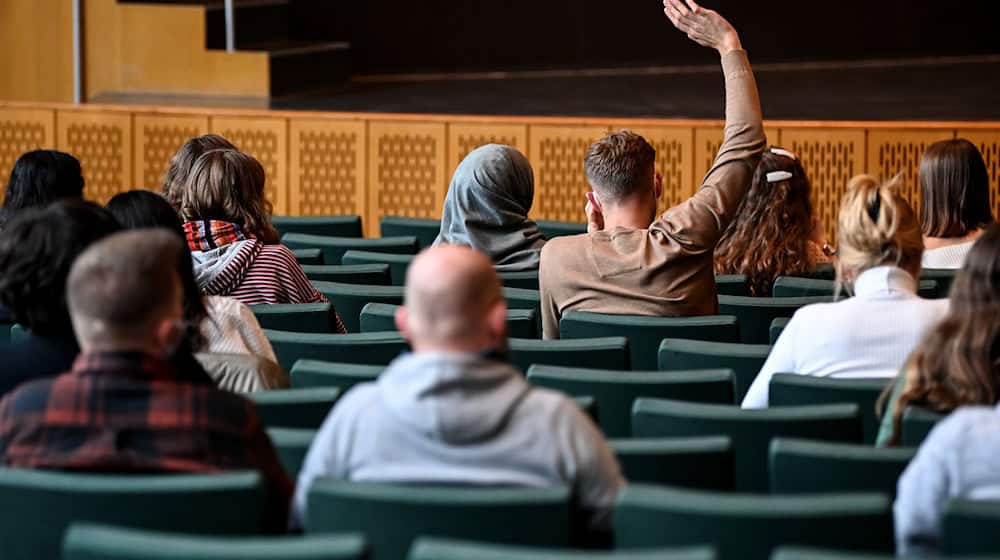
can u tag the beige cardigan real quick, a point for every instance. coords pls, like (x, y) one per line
(238, 357)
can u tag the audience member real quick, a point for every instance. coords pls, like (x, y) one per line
(628, 264)
(958, 361)
(176, 177)
(122, 406)
(871, 334)
(956, 201)
(224, 334)
(40, 178)
(37, 249)
(455, 411)
(775, 232)
(487, 208)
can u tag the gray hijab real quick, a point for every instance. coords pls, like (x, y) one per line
(487, 208)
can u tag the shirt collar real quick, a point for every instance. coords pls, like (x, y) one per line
(126, 364)
(884, 280)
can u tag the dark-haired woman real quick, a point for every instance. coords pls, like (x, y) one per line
(40, 178)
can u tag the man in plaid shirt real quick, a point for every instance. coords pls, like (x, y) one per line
(121, 408)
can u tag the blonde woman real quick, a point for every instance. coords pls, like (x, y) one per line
(870, 334)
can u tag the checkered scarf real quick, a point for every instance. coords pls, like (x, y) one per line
(205, 235)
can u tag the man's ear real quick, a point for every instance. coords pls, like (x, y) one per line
(403, 321)
(657, 185)
(497, 322)
(168, 335)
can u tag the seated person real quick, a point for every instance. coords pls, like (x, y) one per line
(37, 249)
(956, 206)
(872, 333)
(176, 177)
(455, 411)
(775, 232)
(958, 362)
(627, 263)
(487, 208)
(40, 178)
(126, 303)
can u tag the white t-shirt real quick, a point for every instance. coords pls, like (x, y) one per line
(948, 257)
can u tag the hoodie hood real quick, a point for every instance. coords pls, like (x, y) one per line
(456, 398)
(219, 271)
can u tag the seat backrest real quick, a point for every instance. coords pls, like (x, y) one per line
(518, 298)
(101, 542)
(797, 390)
(732, 285)
(315, 373)
(615, 391)
(777, 327)
(917, 424)
(18, 333)
(696, 462)
(360, 348)
(334, 247)
(814, 467)
(376, 274)
(744, 359)
(749, 527)
(644, 334)
(308, 256)
(292, 444)
(48, 501)
(750, 430)
(944, 278)
(295, 408)
(429, 548)
(523, 280)
(756, 313)
(350, 299)
(300, 317)
(808, 553)
(425, 230)
(553, 228)
(969, 528)
(329, 226)
(392, 516)
(792, 286)
(375, 317)
(398, 264)
(599, 353)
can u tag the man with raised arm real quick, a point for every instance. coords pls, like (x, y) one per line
(629, 264)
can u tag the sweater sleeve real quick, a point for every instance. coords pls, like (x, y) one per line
(598, 475)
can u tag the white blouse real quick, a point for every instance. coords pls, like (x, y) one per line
(949, 256)
(868, 335)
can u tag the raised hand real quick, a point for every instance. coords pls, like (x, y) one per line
(703, 26)
(595, 215)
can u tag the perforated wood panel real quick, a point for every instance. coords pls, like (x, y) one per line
(157, 139)
(465, 137)
(988, 142)
(23, 130)
(708, 140)
(899, 151)
(327, 167)
(556, 153)
(267, 140)
(103, 144)
(406, 169)
(674, 161)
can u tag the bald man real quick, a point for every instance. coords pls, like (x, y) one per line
(454, 411)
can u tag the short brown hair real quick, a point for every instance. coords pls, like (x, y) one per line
(955, 188)
(182, 162)
(620, 164)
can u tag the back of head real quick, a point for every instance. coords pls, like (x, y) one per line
(182, 162)
(37, 250)
(40, 178)
(620, 165)
(122, 288)
(876, 227)
(228, 185)
(955, 188)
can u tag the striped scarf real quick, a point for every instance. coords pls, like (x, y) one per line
(205, 235)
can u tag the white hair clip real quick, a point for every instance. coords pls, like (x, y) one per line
(782, 152)
(778, 176)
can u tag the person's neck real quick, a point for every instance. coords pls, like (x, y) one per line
(627, 214)
(131, 347)
(939, 242)
(443, 347)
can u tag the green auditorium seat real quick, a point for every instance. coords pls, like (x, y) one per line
(744, 359)
(102, 542)
(334, 247)
(518, 298)
(697, 462)
(375, 317)
(301, 317)
(5, 331)
(371, 274)
(292, 444)
(305, 257)
(825, 271)
(356, 348)
(749, 527)
(777, 327)
(350, 299)
(552, 228)
(804, 553)
(756, 313)
(18, 333)
(790, 286)
(588, 405)
(295, 408)
(392, 516)
(328, 226)
(732, 285)
(917, 423)
(750, 430)
(315, 373)
(969, 528)
(615, 391)
(644, 334)
(814, 467)
(48, 501)
(428, 548)
(944, 278)
(424, 229)
(599, 353)
(524, 280)
(398, 264)
(799, 390)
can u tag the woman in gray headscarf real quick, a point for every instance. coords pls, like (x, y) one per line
(487, 208)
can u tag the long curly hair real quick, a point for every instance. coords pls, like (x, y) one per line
(770, 234)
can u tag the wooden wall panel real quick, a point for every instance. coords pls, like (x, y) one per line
(465, 137)
(556, 153)
(36, 50)
(102, 141)
(327, 167)
(23, 130)
(267, 140)
(157, 139)
(988, 142)
(674, 161)
(898, 151)
(708, 140)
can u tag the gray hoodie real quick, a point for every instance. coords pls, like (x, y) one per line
(459, 418)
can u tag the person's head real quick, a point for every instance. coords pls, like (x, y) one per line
(228, 185)
(498, 176)
(876, 227)
(37, 249)
(453, 302)
(40, 178)
(955, 188)
(620, 169)
(124, 294)
(770, 235)
(182, 162)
